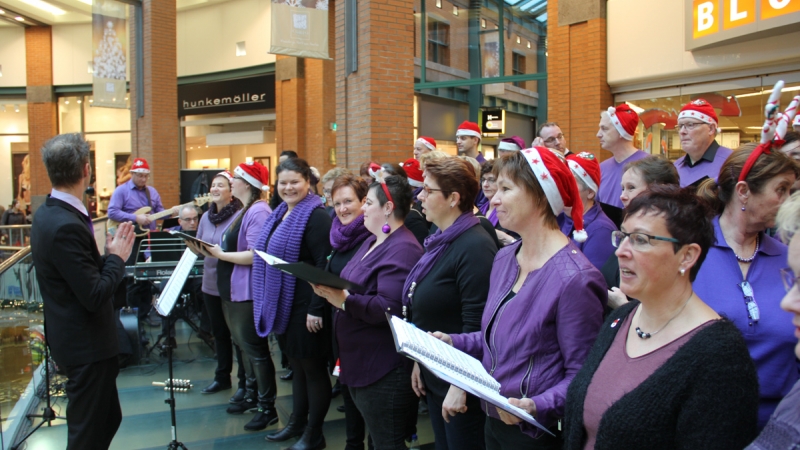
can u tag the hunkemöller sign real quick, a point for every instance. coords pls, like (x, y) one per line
(242, 94)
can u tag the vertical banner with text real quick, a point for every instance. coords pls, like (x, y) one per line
(300, 28)
(109, 41)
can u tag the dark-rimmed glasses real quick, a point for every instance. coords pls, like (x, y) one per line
(429, 190)
(788, 278)
(638, 240)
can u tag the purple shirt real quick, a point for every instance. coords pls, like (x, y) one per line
(707, 166)
(366, 346)
(783, 430)
(212, 234)
(771, 340)
(540, 338)
(252, 222)
(126, 199)
(611, 178)
(598, 226)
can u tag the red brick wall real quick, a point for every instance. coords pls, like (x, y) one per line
(155, 136)
(376, 119)
(42, 121)
(577, 79)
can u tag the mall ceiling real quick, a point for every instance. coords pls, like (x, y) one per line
(53, 12)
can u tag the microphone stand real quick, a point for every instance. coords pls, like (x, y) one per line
(48, 414)
(174, 444)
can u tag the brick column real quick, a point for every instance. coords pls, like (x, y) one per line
(42, 121)
(155, 135)
(577, 71)
(374, 105)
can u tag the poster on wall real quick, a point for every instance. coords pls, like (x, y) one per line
(109, 41)
(122, 167)
(491, 55)
(21, 177)
(300, 28)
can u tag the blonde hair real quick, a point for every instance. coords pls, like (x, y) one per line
(476, 166)
(430, 156)
(788, 219)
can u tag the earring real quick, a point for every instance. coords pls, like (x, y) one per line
(386, 228)
(743, 208)
(683, 272)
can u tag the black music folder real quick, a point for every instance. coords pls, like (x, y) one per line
(190, 238)
(309, 273)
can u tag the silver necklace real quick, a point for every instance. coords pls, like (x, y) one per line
(644, 335)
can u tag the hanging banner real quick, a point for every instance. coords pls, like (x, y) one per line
(300, 28)
(109, 41)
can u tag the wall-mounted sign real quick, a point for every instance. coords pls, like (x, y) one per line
(710, 22)
(300, 28)
(109, 65)
(493, 121)
(242, 94)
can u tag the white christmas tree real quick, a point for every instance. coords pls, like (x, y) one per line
(109, 58)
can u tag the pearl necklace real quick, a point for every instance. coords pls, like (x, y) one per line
(644, 335)
(750, 259)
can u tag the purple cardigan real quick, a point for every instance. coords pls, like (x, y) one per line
(366, 346)
(212, 234)
(540, 337)
(252, 222)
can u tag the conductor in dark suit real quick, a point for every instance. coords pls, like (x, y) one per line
(78, 286)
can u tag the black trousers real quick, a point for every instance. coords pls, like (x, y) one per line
(500, 436)
(464, 431)
(223, 342)
(384, 405)
(93, 411)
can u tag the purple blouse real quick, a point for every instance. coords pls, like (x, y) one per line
(212, 234)
(366, 346)
(771, 339)
(126, 199)
(252, 222)
(611, 178)
(598, 226)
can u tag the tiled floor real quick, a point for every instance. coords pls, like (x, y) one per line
(202, 423)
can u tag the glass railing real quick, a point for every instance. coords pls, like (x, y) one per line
(16, 236)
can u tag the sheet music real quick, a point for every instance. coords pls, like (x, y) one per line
(271, 260)
(452, 366)
(169, 295)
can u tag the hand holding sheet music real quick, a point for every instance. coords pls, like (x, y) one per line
(453, 366)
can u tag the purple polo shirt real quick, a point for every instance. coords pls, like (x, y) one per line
(252, 223)
(598, 226)
(366, 346)
(212, 234)
(707, 166)
(126, 199)
(771, 340)
(611, 178)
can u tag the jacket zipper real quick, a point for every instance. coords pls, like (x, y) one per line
(496, 314)
(524, 393)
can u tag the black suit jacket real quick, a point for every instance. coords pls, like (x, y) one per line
(77, 285)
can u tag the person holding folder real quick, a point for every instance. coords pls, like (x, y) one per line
(378, 377)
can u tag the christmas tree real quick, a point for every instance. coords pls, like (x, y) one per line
(109, 59)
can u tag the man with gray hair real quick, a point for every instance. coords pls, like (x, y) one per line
(78, 287)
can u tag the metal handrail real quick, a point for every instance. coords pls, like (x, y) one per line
(13, 259)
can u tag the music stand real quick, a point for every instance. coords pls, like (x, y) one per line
(164, 305)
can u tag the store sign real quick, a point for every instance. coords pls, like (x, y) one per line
(300, 28)
(243, 94)
(710, 22)
(493, 121)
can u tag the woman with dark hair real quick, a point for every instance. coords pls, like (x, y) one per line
(488, 182)
(298, 231)
(637, 178)
(235, 255)
(223, 211)
(348, 193)
(377, 376)
(544, 307)
(741, 279)
(666, 371)
(446, 290)
(791, 148)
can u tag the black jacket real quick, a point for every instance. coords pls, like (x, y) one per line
(78, 286)
(704, 397)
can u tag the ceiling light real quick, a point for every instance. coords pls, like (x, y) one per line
(44, 6)
(80, 101)
(16, 108)
(4, 108)
(66, 102)
(19, 19)
(769, 91)
(753, 128)
(91, 100)
(2, 12)
(88, 2)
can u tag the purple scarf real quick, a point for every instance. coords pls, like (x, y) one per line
(492, 217)
(345, 237)
(435, 246)
(272, 307)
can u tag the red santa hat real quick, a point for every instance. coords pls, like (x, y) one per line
(468, 128)
(254, 173)
(624, 120)
(225, 174)
(558, 184)
(411, 166)
(375, 170)
(427, 142)
(585, 166)
(511, 144)
(699, 109)
(140, 166)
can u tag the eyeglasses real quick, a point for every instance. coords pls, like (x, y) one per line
(750, 302)
(788, 278)
(488, 180)
(690, 125)
(326, 192)
(638, 241)
(552, 140)
(191, 219)
(429, 190)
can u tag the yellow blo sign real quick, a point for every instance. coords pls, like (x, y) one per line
(715, 21)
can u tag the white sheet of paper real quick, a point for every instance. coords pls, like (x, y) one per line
(271, 260)
(169, 295)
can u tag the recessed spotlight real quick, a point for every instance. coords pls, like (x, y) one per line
(66, 102)
(16, 108)
(2, 12)
(80, 101)
(19, 19)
